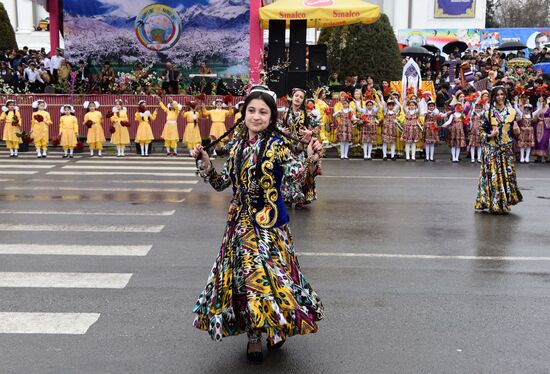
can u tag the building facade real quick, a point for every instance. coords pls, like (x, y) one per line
(25, 17)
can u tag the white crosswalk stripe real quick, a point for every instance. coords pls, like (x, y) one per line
(102, 189)
(64, 280)
(87, 212)
(114, 181)
(75, 250)
(46, 323)
(84, 173)
(26, 166)
(126, 162)
(83, 228)
(127, 167)
(18, 172)
(35, 161)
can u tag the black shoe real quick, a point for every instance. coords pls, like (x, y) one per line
(426, 160)
(393, 159)
(256, 357)
(71, 156)
(65, 156)
(38, 156)
(385, 158)
(44, 156)
(275, 346)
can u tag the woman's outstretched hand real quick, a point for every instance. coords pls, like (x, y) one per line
(199, 153)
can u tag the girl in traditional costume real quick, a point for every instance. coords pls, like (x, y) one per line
(68, 130)
(526, 139)
(477, 118)
(40, 123)
(368, 127)
(411, 129)
(542, 130)
(12, 127)
(392, 114)
(120, 124)
(431, 129)
(192, 133)
(497, 188)
(344, 120)
(217, 116)
(456, 137)
(144, 134)
(93, 120)
(256, 285)
(170, 132)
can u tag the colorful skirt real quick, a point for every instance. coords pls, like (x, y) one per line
(410, 134)
(368, 133)
(526, 137)
(345, 132)
(456, 136)
(389, 132)
(431, 133)
(497, 189)
(475, 137)
(256, 285)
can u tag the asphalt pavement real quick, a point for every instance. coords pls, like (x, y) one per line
(101, 261)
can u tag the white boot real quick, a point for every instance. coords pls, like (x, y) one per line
(99, 153)
(91, 153)
(384, 151)
(392, 150)
(527, 154)
(473, 154)
(522, 155)
(44, 153)
(38, 154)
(408, 151)
(413, 151)
(478, 154)
(142, 146)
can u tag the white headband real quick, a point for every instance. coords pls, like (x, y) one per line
(264, 89)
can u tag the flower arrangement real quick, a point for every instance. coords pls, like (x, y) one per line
(88, 123)
(25, 137)
(38, 118)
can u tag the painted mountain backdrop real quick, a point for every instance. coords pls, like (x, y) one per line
(214, 31)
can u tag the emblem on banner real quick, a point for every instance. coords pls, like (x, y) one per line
(158, 27)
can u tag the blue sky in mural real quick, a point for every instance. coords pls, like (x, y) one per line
(103, 7)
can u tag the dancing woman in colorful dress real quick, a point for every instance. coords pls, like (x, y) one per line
(297, 124)
(497, 189)
(256, 285)
(120, 123)
(40, 123)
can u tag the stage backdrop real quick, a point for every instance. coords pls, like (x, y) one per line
(477, 38)
(184, 32)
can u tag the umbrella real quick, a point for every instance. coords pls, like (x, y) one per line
(451, 46)
(320, 13)
(432, 48)
(511, 46)
(415, 52)
(544, 67)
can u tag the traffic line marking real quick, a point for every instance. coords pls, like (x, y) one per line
(75, 250)
(114, 181)
(100, 189)
(64, 280)
(424, 257)
(18, 172)
(46, 323)
(92, 213)
(26, 166)
(128, 167)
(82, 173)
(83, 228)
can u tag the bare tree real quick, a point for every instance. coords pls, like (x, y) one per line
(522, 13)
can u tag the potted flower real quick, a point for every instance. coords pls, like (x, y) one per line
(79, 144)
(26, 138)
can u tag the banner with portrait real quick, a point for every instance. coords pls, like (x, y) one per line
(455, 9)
(183, 32)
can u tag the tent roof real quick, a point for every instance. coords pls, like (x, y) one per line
(320, 13)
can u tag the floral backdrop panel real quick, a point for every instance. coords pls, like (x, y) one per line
(184, 32)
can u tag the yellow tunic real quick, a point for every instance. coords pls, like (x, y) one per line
(40, 132)
(192, 133)
(68, 130)
(120, 137)
(237, 117)
(10, 131)
(170, 130)
(218, 121)
(144, 133)
(321, 107)
(95, 133)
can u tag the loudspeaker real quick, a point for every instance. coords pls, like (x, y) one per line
(276, 81)
(277, 30)
(276, 54)
(296, 79)
(297, 57)
(318, 78)
(317, 57)
(298, 31)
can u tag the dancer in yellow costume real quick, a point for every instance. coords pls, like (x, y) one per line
(68, 130)
(192, 133)
(119, 120)
(93, 120)
(40, 124)
(11, 118)
(170, 132)
(217, 116)
(324, 111)
(144, 135)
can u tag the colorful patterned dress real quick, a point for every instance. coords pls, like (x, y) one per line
(456, 137)
(475, 128)
(527, 135)
(542, 135)
(293, 190)
(344, 124)
(497, 189)
(389, 130)
(368, 129)
(410, 129)
(431, 130)
(256, 284)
